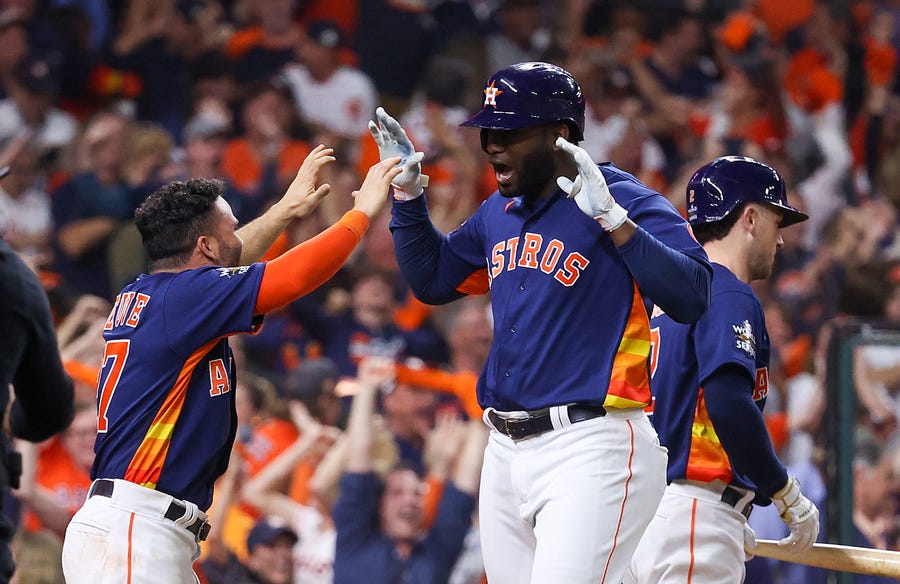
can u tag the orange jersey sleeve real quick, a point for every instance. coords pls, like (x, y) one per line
(307, 266)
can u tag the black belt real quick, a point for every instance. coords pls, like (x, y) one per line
(199, 527)
(733, 497)
(539, 421)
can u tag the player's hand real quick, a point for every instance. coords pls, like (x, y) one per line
(801, 516)
(302, 196)
(749, 542)
(589, 189)
(392, 141)
(372, 195)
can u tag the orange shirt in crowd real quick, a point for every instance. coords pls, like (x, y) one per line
(56, 472)
(810, 83)
(270, 438)
(781, 17)
(242, 166)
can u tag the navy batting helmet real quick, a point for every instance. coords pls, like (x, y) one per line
(720, 186)
(530, 94)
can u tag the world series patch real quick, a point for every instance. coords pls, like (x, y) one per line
(744, 339)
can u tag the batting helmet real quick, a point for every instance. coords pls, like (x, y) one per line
(530, 94)
(721, 185)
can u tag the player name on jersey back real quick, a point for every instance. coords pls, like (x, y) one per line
(127, 310)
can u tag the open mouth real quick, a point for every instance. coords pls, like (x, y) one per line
(503, 173)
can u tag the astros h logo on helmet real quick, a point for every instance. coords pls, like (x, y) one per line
(490, 95)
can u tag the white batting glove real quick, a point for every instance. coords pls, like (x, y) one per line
(392, 141)
(589, 189)
(749, 542)
(801, 516)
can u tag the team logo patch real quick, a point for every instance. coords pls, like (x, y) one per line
(744, 339)
(236, 271)
(490, 95)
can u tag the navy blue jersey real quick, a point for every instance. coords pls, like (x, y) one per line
(166, 416)
(570, 324)
(731, 333)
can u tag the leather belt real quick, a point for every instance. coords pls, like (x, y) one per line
(541, 421)
(199, 527)
(733, 497)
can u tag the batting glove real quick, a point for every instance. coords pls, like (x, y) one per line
(392, 140)
(749, 542)
(589, 189)
(801, 516)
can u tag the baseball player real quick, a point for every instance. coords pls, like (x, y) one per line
(710, 381)
(166, 414)
(572, 253)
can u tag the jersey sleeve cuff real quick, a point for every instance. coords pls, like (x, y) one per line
(355, 221)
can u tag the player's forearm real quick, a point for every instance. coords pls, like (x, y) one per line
(741, 429)
(417, 245)
(675, 281)
(259, 235)
(310, 264)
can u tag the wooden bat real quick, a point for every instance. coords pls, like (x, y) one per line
(843, 558)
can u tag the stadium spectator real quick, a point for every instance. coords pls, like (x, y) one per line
(56, 476)
(380, 534)
(91, 206)
(260, 50)
(329, 94)
(269, 559)
(33, 92)
(262, 160)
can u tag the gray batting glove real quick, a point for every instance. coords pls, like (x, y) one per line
(801, 516)
(392, 140)
(589, 189)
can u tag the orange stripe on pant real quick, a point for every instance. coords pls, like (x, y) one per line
(693, 520)
(130, 541)
(622, 509)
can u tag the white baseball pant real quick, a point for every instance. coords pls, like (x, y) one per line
(126, 538)
(569, 505)
(694, 537)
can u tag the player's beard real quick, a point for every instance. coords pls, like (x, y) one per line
(535, 173)
(761, 264)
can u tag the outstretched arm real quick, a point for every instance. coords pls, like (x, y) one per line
(310, 264)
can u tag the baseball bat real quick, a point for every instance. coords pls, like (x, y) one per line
(843, 558)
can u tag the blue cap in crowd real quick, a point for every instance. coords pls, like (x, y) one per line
(266, 531)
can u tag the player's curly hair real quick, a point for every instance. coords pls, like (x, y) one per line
(174, 216)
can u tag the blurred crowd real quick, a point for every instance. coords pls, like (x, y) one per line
(103, 102)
